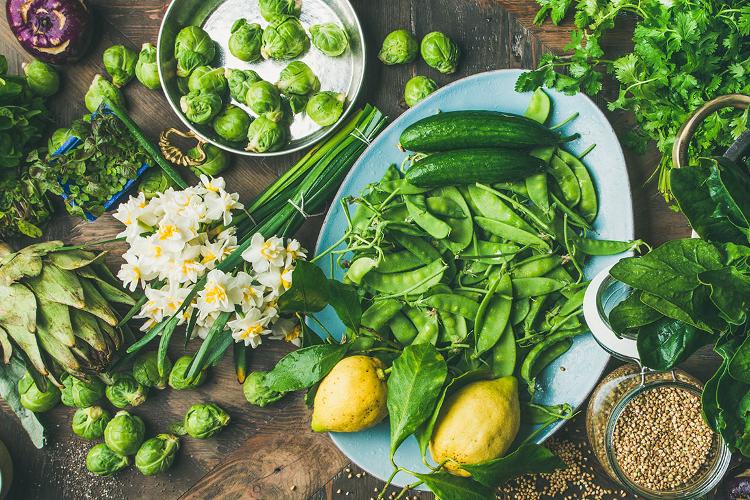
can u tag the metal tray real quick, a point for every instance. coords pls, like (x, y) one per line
(340, 74)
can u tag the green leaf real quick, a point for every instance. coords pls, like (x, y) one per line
(304, 367)
(414, 386)
(449, 487)
(345, 301)
(730, 293)
(631, 313)
(530, 458)
(309, 292)
(10, 374)
(665, 343)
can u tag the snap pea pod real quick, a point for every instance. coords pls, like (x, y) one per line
(591, 246)
(419, 247)
(410, 282)
(535, 266)
(427, 326)
(380, 313)
(396, 262)
(536, 186)
(560, 274)
(511, 233)
(519, 310)
(566, 180)
(402, 328)
(396, 212)
(573, 216)
(492, 320)
(405, 228)
(504, 354)
(453, 328)
(518, 187)
(462, 229)
(440, 205)
(537, 304)
(545, 353)
(539, 107)
(417, 207)
(402, 186)
(573, 302)
(454, 304)
(589, 204)
(359, 268)
(492, 207)
(535, 287)
(489, 252)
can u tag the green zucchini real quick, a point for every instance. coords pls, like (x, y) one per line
(477, 129)
(468, 166)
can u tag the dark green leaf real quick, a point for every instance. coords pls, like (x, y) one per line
(667, 342)
(631, 313)
(530, 458)
(309, 292)
(730, 293)
(304, 367)
(449, 487)
(10, 374)
(345, 302)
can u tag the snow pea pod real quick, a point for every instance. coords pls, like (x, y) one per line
(567, 181)
(454, 304)
(518, 187)
(489, 252)
(492, 207)
(590, 246)
(504, 354)
(418, 246)
(535, 287)
(440, 205)
(539, 107)
(537, 304)
(359, 268)
(415, 281)
(520, 309)
(545, 353)
(536, 185)
(406, 228)
(511, 233)
(402, 328)
(461, 229)
(426, 324)
(589, 204)
(453, 328)
(560, 274)
(417, 207)
(380, 313)
(402, 186)
(493, 314)
(535, 266)
(396, 212)
(399, 261)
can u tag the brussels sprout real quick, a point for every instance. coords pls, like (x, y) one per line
(120, 61)
(177, 378)
(284, 38)
(58, 138)
(418, 88)
(35, 400)
(157, 454)
(182, 85)
(204, 420)
(263, 97)
(267, 133)
(297, 103)
(257, 392)
(125, 391)
(147, 69)
(124, 433)
(201, 107)
(325, 108)
(297, 78)
(245, 40)
(239, 81)
(104, 462)
(42, 78)
(145, 367)
(329, 38)
(81, 393)
(440, 52)
(99, 89)
(399, 47)
(153, 183)
(232, 123)
(217, 160)
(192, 48)
(89, 423)
(271, 9)
(208, 79)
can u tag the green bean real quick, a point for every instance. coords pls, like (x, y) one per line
(535, 287)
(493, 318)
(589, 205)
(545, 353)
(536, 185)
(492, 207)
(511, 233)
(504, 354)
(415, 204)
(402, 328)
(566, 180)
(359, 268)
(461, 229)
(409, 282)
(519, 310)
(380, 313)
(419, 247)
(591, 246)
(440, 205)
(399, 261)
(454, 304)
(535, 266)
(454, 329)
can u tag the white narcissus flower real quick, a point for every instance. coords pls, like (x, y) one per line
(251, 295)
(294, 251)
(213, 185)
(188, 268)
(288, 330)
(278, 279)
(250, 327)
(130, 272)
(215, 295)
(265, 254)
(220, 206)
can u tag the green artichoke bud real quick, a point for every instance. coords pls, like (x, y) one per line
(146, 370)
(271, 9)
(217, 160)
(267, 133)
(104, 462)
(297, 78)
(325, 108)
(284, 38)
(232, 123)
(263, 97)
(81, 393)
(208, 79)
(203, 421)
(418, 88)
(89, 423)
(399, 47)
(99, 89)
(125, 391)
(42, 78)
(329, 38)
(440, 52)
(157, 454)
(154, 183)
(124, 433)
(201, 107)
(147, 69)
(120, 61)
(239, 81)
(35, 400)
(245, 40)
(177, 378)
(193, 47)
(257, 392)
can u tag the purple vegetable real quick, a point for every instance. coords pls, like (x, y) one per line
(736, 484)
(54, 31)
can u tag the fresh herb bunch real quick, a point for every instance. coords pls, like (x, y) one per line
(685, 53)
(23, 207)
(107, 159)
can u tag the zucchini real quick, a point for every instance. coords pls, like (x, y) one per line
(477, 129)
(469, 166)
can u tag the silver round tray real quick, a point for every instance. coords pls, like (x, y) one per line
(340, 74)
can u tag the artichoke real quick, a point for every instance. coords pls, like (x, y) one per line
(55, 311)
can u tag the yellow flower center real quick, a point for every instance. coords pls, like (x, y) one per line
(268, 251)
(209, 257)
(167, 231)
(294, 334)
(251, 331)
(210, 187)
(216, 293)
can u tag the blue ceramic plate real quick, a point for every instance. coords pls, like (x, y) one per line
(584, 362)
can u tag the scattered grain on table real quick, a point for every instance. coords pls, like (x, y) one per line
(68, 460)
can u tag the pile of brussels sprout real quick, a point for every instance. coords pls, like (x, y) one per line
(437, 50)
(241, 107)
(124, 434)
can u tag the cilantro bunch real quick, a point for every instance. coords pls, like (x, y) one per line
(685, 53)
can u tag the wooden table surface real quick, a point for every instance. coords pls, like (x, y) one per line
(270, 452)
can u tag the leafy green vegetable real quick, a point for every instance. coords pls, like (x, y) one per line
(667, 342)
(304, 368)
(10, 374)
(529, 458)
(309, 292)
(450, 487)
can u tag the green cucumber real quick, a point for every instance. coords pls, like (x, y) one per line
(468, 166)
(477, 129)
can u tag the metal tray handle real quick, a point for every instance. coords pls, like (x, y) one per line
(175, 155)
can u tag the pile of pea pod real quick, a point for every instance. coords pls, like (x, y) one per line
(490, 274)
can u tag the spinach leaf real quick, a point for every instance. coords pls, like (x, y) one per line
(413, 388)
(528, 458)
(309, 292)
(731, 422)
(667, 342)
(10, 374)
(733, 183)
(631, 313)
(738, 365)
(345, 302)
(304, 367)
(449, 487)
(730, 293)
